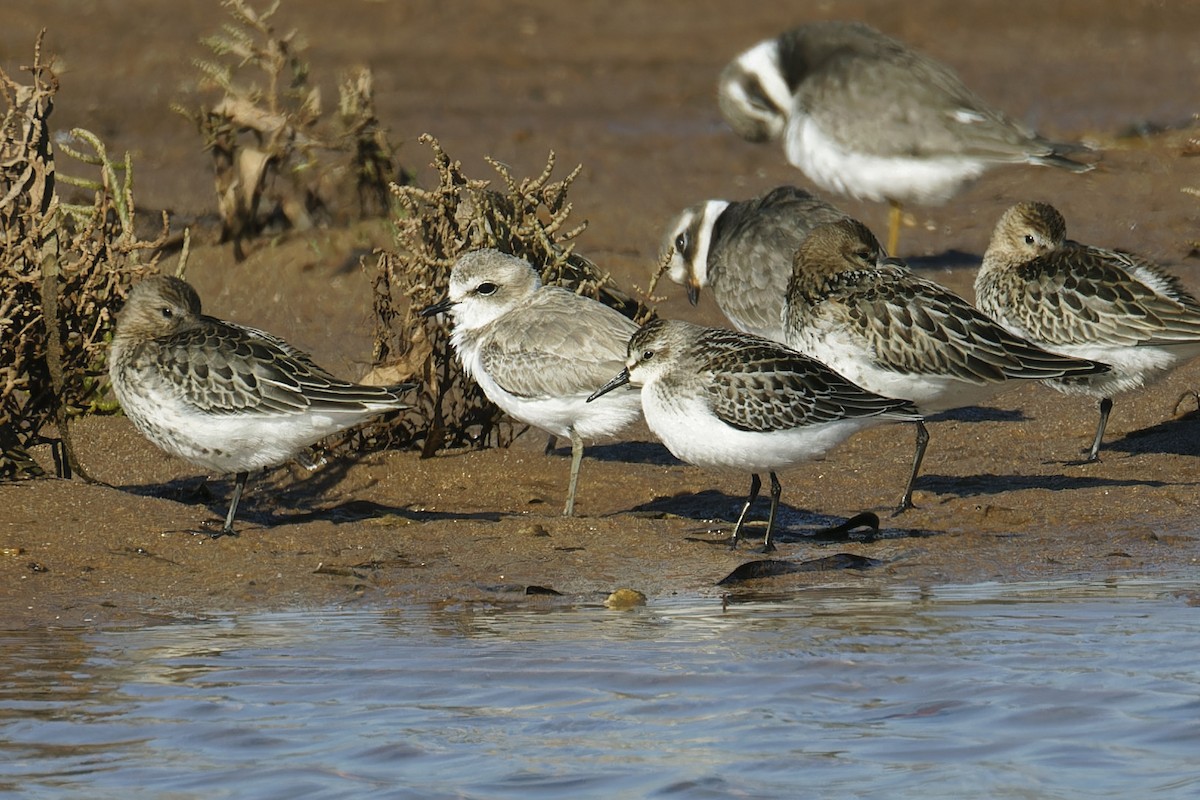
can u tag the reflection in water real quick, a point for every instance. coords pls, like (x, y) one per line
(1046, 690)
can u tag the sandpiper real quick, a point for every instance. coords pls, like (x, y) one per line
(875, 322)
(538, 351)
(728, 400)
(223, 396)
(863, 114)
(742, 251)
(1086, 302)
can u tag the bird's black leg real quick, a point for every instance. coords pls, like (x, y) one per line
(1105, 409)
(239, 484)
(755, 485)
(776, 490)
(919, 456)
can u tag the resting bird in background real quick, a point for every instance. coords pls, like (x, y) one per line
(1086, 302)
(874, 321)
(862, 114)
(742, 251)
(223, 396)
(538, 351)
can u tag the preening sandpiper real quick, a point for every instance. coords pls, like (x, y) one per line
(1086, 302)
(895, 333)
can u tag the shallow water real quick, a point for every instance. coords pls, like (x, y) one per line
(1033, 690)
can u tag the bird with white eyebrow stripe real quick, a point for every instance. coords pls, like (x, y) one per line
(862, 114)
(742, 252)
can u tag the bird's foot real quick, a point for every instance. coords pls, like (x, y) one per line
(214, 529)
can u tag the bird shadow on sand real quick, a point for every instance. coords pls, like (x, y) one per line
(991, 484)
(980, 414)
(1178, 436)
(653, 453)
(717, 513)
(278, 498)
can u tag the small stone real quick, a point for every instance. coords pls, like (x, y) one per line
(623, 599)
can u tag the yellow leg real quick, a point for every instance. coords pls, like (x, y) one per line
(576, 458)
(894, 214)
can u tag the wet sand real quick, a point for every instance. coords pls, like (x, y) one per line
(627, 91)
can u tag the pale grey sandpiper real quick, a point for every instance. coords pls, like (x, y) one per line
(742, 252)
(863, 114)
(538, 351)
(727, 400)
(1086, 302)
(223, 396)
(874, 321)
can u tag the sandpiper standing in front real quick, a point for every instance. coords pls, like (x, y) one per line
(728, 400)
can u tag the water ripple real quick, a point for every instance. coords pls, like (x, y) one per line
(1037, 690)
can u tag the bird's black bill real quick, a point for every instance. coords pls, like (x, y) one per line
(693, 293)
(437, 308)
(619, 380)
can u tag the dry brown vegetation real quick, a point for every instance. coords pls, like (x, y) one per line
(66, 263)
(278, 159)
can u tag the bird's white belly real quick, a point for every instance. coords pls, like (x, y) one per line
(1132, 367)
(225, 443)
(928, 391)
(871, 177)
(694, 434)
(605, 416)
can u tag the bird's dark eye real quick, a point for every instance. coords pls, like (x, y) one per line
(647, 355)
(681, 243)
(167, 312)
(486, 289)
(1029, 238)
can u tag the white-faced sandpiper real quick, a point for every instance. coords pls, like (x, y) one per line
(742, 252)
(539, 351)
